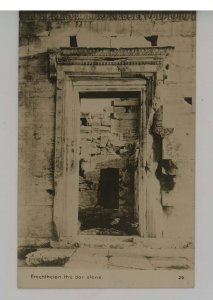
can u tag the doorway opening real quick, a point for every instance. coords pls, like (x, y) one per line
(109, 188)
(108, 163)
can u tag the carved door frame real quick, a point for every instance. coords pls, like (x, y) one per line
(76, 70)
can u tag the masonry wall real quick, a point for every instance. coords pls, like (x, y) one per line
(108, 139)
(37, 107)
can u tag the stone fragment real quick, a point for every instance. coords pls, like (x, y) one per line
(48, 257)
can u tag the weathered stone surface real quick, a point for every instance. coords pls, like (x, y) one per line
(106, 150)
(166, 243)
(170, 263)
(126, 116)
(127, 259)
(48, 257)
(125, 102)
(88, 259)
(35, 221)
(104, 253)
(37, 106)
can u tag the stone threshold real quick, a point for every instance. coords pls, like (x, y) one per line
(108, 241)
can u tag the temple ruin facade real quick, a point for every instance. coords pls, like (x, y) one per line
(106, 126)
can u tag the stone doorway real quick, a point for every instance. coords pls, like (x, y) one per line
(95, 73)
(108, 163)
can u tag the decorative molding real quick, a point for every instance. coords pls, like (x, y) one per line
(64, 61)
(115, 52)
(107, 56)
(172, 16)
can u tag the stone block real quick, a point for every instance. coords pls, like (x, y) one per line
(170, 263)
(88, 258)
(119, 109)
(125, 127)
(130, 136)
(128, 123)
(94, 122)
(98, 158)
(126, 102)
(100, 129)
(125, 259)
(103, 141)
(115, 124)
(113, 163)
(117, 135)
(48, 257)
(106, 121)
(126, 116)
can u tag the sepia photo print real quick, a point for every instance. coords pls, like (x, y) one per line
(106, 149)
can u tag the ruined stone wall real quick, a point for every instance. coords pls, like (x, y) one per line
(37, 106)
(109, 140)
